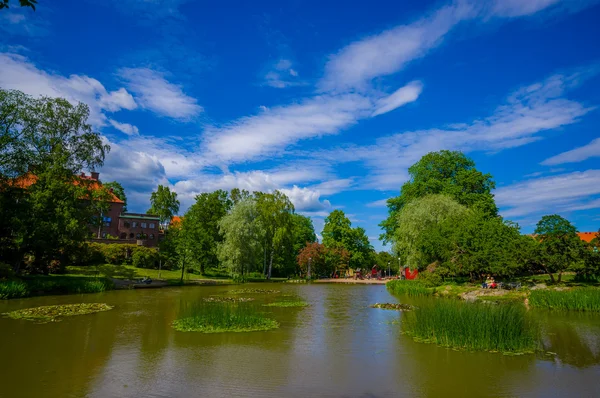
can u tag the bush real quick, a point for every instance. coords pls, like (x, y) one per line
(430, 279)
(87, 254)
(6, 271)
(144, 257)
(114, 253)
(13, 289)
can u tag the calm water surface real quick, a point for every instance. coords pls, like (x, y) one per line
(337, 347)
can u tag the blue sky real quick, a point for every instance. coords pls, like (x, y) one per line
(330, 103)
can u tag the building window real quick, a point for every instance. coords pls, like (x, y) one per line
(126, 224)
(151, 236)
(138, 236)
(123, 235)
(131, 235)
(107, 224)
(143, 225)
(135, 224)
(151, 225)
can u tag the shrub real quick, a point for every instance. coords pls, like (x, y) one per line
(577, 299)
(13, 289)
(6, 271)
(411, 288)
(473, 326)
(87, 254)
(144, 257)
(113, 253)
(430, 279)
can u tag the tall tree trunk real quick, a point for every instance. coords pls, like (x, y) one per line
(265, 258)
(559, 276)
(182, 270)
(271, 262)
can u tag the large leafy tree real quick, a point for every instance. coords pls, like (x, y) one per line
(275, 216)
(118, 190)
(559, 246)
(164, 203)
(419, 238)
(201, 223)
(22, 3)
(339, 234)
(445, 172)
(315, 255)
(240, 249)
(51, 139)
(303, 231)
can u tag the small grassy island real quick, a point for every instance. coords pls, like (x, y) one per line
(224, 318)
(54, 313)
(288, 304)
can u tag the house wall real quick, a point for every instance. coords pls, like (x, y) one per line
(127, 230)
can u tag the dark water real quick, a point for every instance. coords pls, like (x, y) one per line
(337, 347)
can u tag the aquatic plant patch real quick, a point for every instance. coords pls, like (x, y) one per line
(254, 291)
(287, 304)
(224, 318)
(393, 306)
(53, 313)
(576, 299)
(473, 326)
(410, 288)
(225, 299)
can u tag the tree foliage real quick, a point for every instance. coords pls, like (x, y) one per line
(449, 173)
(339, 234)
(118, 190)
(164, 204)
(22, 3)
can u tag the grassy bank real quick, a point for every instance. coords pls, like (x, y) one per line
(224, 318)
(411, 288)
(473, 326)
(576, 299)
(130, 272)
(49, 285)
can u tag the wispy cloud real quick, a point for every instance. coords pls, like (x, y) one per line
(378, 203)
(554, 194)
(125, 128)
(281, 74)
(400, 97)
(20, 73)
(580, 154)
(154, 92)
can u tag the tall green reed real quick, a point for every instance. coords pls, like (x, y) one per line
(576, 299)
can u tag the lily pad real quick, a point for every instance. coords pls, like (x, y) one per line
(54, 313)
(254, 291)
(225, 299)
(393, 306)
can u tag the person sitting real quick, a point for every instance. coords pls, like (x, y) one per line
(493, 284)
(487, 283)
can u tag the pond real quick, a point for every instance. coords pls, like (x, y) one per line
(335, 347)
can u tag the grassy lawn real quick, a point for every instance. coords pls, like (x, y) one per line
(131, 272)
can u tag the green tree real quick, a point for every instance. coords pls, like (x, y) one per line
(275, 216)
(240, 249)
(23, 3)
(559, 245)
(445, 172)
(419, 239)
(303, 231)
(118, 190)
(201, 222)
(164, 204)
(339, 234)
(385, 260)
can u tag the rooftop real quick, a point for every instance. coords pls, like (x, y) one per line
(140, 216)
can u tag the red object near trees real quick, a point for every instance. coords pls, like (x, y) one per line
(411, 275)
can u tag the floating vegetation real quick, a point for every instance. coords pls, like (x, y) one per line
(577, 299)
(411, 288)
(473, 326)
(254, 291)
(296, 281)
(225, 299)
(287, 304)
(224, 318)
(53, 313)
(393, 306)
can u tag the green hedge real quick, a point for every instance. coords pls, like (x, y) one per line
(115, 254)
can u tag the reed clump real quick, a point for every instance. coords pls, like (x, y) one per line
(473, 326)
(224, 317)
(288, 304)
(576, 299)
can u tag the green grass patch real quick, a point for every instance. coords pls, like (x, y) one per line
(224, 318)
(13, 289)
(254, 291)
(473, 326)
(225, 299)
(576, 299)
(287, 304)
(130, 272)
(53, 313)
(410, 288)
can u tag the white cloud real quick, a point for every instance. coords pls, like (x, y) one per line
(269, 132)
(125, 128)
(580, 154)
(355, 65)
(517, 8)
(281, 75)
(378, 203)
(554, 194)
(528, 112)
(155, 93)
(400, 97)
(19, 73)
(306, 200)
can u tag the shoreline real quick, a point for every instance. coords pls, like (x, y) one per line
(354, 281)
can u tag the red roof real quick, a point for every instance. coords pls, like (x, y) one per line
(587, 236)
(176, 220)
(27, 180)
